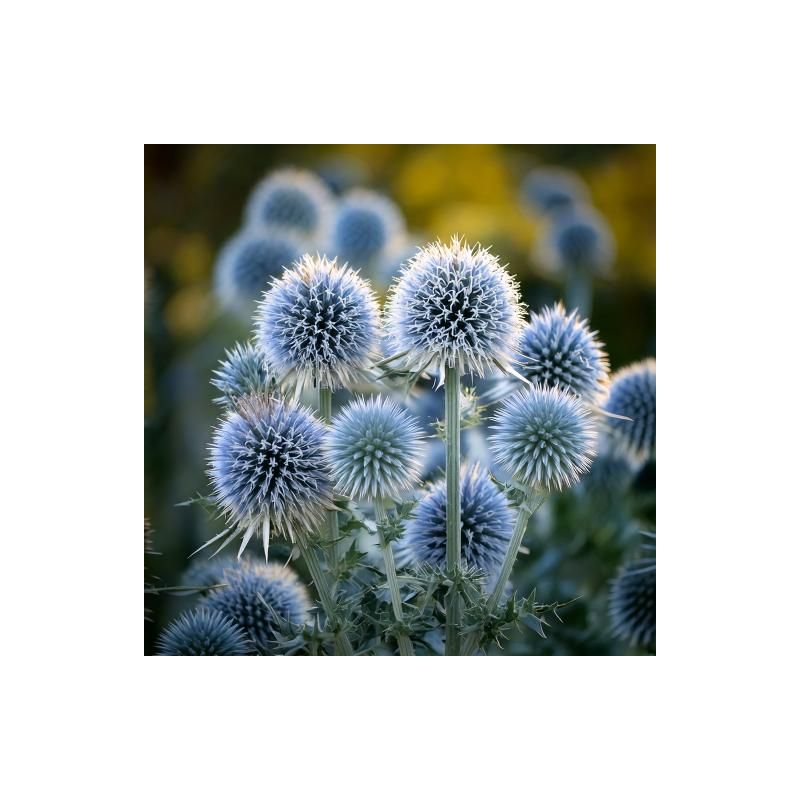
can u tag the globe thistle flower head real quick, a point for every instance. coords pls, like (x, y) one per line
(268, 469)
(203, 632)
(374, 448)
(551, 190)
(293, 200)
(248, 262)
(579, 240)
(486, 524)
(207, 572)
(632, 603)
(454, 305)
(558, 349)
(364, 224)
(632, 394)
(319, 324)
(241, 373)
(260, 598)
(545, 437)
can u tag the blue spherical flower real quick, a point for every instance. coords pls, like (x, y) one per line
(486, 524)
(558, 349)
(633, 394)
(364, 225)
(374, 448)
(291, 199)
(579, 241)
(545, 437)
(260, 599)
(632, 603)
(268, 468)
(551, 190)
(454, 306)
(206, 572)
(241, 373)
(203, 632)
(319, 323)
(248, 262)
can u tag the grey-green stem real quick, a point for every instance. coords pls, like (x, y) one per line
(403, 641)
(533, 500)
(325, 592)
(452, 422)
(331, 521)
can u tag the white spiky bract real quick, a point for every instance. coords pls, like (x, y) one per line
(454, 305)
(268, 469)
(374, 448)
(318, 324)
(545, 437)
(291, 199)
(558, 349)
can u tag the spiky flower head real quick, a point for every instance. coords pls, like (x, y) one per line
(203, 632)
(632, 603)
(241, 373)
(486, 524)
(579, 241)
(545, 437)
(292, 199)
(375, 448)
(454, 305)
(268, 469)
(364, 225)
(248, 262)
(260, 598)
(551, 190)
(203, 573)
(633, 394)
(319, 324)
(559, 349)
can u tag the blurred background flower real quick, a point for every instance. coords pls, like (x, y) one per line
(198, 197)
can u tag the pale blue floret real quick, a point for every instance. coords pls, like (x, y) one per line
(318, 324)
(364, 225)
(558, 349)
(241, 373)
(247, 263)
(633, 394)
(374, 448)
(268, 469)
(486, 524)
(291, 199)
(203, 632)
(551, 190)
(260, 598)
(455, 306)
(545, 437)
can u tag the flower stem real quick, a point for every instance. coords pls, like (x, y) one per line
(341, 642)
(452, 422)
(332, 523)
(403, 641)
(579, 292)
(532, 502)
